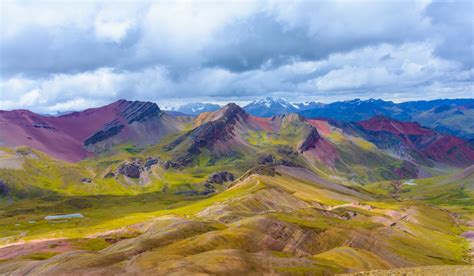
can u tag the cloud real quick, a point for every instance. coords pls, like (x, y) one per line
(384, 66)
(93, 52)
(111, 31)
(453, 28)
(310, 30)
(408, 71)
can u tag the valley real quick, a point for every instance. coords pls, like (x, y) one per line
(227, 192)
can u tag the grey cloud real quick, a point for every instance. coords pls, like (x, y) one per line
(39, 51)
(247, 45)
(454, 23)
(263, 41)
(260, 39)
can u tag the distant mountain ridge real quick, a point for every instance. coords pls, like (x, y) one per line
(195, 108)
(228, 131)
(269, 107)
(452, 116)
(411, 141)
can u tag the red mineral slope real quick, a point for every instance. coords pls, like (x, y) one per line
(381, 123)
(260, 123)
(70, 137)
(425, 142)
(24, 128)
(321, 125)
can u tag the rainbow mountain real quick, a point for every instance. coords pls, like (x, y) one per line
(128, 188)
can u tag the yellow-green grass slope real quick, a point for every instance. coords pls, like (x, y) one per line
(276, 221)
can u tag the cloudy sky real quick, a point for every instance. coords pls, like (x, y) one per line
(69, 55)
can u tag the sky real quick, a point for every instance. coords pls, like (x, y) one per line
(71, 55)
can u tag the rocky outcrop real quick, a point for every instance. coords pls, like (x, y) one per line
(110, 129)
(310, 140)
(220, 177)
(170, 164)
(206, 189)
(150, 162)
(132, 170)
(3, 188)
(268, 170)
(137, 111)
(43, 126)
(267, 159)
(286, 151)
(208, 186)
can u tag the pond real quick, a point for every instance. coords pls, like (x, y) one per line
(77, 215)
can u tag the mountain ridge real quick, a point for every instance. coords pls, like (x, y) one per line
(128, 121)
(285, 194)
(451, 116)
(75, 130)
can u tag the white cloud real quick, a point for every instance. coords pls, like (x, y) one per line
(55, 55)
(386, 66)
(30, 98)
(113, 31)
(408, 71)
(72, 105)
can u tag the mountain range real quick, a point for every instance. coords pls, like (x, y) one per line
(269, 107)
(273, 187)
(451, 116)
(195, 108)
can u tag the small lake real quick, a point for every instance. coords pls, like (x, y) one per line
(77, 215)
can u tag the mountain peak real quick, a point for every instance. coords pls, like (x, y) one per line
(270, 101)
(232, 106)
(121, 101)
(138, 111)
(232, 112)
(269, 106)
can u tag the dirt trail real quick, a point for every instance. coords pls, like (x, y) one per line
(351, 204)
(469, 235)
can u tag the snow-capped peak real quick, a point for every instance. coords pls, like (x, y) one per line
(269, 102)
(196, 108)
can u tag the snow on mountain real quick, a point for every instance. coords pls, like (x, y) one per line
(196, 108)
(269, 106)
